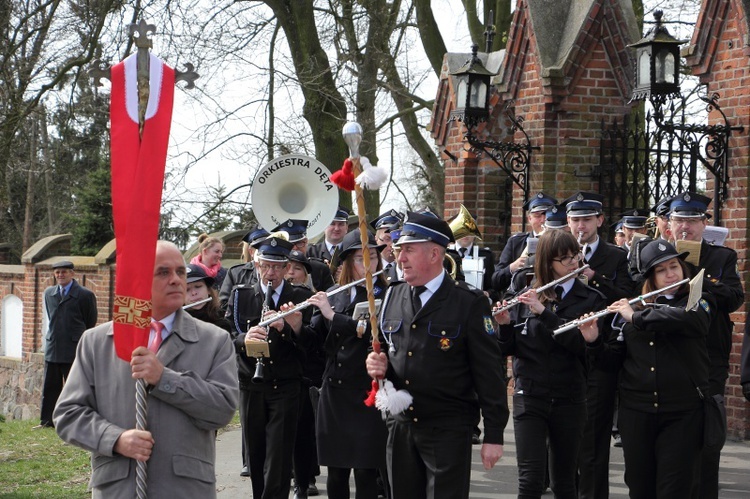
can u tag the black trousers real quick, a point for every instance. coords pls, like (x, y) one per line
(536, 422)
(55, 375)
(305, 449)
(427, 462)
(269, 423)
(593, 458)
(707, 485)
(661, 452)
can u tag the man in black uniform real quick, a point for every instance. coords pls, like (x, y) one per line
(243, 273)
(608, 274)
(334, 236)
(383, 225)
(512, 258)
(687, 221)
(443, 350)
(633, 222)
(269, 403)
(321, 272)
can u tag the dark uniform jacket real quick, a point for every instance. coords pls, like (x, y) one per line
(285, 359)
(242, 274)
(390, 272)
(656, 352)
(319, 250)
(321, 274)
(69, 317)
(545, 365)
(511, 252)
(610, 263)
(722, 280)
(446, 356)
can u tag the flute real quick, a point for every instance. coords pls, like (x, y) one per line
(195, 303)
(304, 304)
(573, 324)
(515, 301)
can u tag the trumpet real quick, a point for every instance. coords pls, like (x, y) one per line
(304, 304)
(261, 352)
(515, 301)
(574, 324)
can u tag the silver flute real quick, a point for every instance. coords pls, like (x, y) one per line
(304, 304)
(515, 301)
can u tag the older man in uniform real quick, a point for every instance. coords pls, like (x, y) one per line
(443, 350)
(687, 221)
(512, 257)
(190, 370)
(269, 402)
(608, 273)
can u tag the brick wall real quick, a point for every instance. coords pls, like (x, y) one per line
(719, 54)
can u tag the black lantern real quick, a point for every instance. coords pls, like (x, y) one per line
(657, 64)
(472, 91)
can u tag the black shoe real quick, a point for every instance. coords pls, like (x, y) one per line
(475, 439)
(312, 490)
(245, 471)
(618, 441)
(299, 494)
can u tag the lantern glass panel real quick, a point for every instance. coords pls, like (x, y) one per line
(644, 68)
(461, 93)
(478, 95)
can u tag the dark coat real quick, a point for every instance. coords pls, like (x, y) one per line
(319, 250)
(350, 434)
(656, 352)
(286, 357)
(68, 319)
(238, 275)
(610, 263)
(321, 274)
(722, 280)
(447, 357)
(545, 365)
(511, 252)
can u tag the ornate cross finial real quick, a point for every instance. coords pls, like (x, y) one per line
(139, 33)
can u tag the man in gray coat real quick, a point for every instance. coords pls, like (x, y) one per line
(71, 309)
(192, 387)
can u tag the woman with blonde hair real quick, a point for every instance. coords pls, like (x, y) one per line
(210, 251)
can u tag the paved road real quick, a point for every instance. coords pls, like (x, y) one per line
(497, 483)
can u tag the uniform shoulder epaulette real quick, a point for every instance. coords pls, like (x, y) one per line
(596, 291)
(465, 287)
(240, 265)
(393, 284)
(720, 247)
(619, 248)
(316, 259)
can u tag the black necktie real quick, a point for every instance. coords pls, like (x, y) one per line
(415, 300)
(559, 291)
(463, 252)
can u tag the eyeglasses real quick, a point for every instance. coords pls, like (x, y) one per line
(276, 267)
(569, 259)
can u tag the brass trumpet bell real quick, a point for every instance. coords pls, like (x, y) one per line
(464, 225)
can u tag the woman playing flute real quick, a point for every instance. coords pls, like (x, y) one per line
(350, 435)
(549, 372)
(662, 357)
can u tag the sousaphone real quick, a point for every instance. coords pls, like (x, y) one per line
(294, 186)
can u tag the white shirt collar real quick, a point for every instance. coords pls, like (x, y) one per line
(432, 287)
(593, 246)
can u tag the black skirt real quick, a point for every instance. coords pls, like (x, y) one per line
(349, 433)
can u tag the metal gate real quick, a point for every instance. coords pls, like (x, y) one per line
(643, 163)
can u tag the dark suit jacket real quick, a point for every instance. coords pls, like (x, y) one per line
(244, 311)
(511, 252)
(243, 274)
(610, 263)
(447, 357)
(68, 319)
(319, 250)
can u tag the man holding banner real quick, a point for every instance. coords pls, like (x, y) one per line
(192, 386)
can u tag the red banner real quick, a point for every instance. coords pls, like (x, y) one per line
(138, 161)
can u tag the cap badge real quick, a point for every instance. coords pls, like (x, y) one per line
(686, 197)
(273, 242)
(290, 224)
(553, 209)
(635, 213)
(662, 247)
(579, 197)
(539, 195)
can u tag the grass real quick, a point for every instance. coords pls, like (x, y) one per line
(37, 464)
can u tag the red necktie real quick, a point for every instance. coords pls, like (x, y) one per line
(155, 343)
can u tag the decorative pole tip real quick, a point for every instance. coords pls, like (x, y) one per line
(352, 133)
